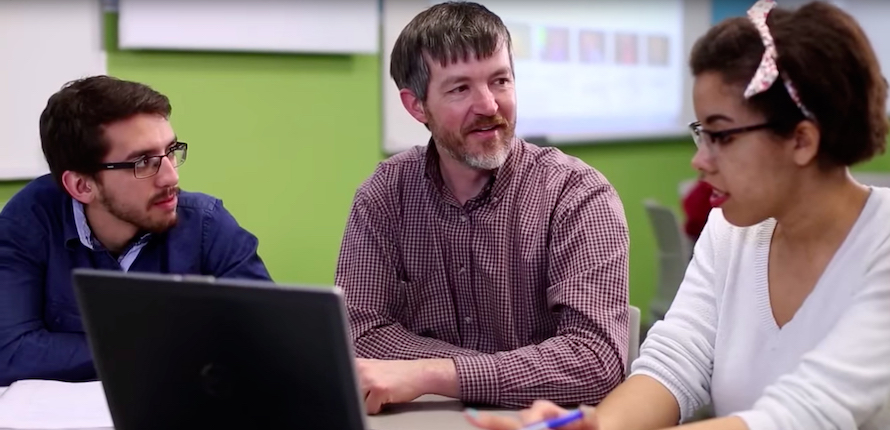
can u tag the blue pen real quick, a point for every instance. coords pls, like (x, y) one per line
(557, 422)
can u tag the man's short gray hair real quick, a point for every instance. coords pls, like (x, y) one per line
(446, 32)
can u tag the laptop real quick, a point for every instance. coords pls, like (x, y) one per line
(186, 352)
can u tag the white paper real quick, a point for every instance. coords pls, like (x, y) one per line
(53, 405)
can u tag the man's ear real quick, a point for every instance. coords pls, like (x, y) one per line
(806, 143)
(80, 187)
(413, 105)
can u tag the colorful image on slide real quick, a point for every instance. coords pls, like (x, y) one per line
(591, 46)
(555, 44)
(521, 35)
(658, 50)
(626, 48)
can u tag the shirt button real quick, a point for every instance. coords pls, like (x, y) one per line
(463, 218)
(462, 270)
(468, 320)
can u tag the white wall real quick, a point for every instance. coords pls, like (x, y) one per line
(576, 102)
(43, 45)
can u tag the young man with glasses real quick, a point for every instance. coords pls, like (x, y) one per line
(112, 202)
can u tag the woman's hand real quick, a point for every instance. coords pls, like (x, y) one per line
(541, 410)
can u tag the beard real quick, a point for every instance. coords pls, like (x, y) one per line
(489, 155)
(141, 218)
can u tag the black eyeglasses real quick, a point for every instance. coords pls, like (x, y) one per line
(709, 138)
(149, 166)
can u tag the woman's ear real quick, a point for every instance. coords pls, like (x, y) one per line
(806, 143)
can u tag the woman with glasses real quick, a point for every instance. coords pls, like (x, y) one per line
(783, 318)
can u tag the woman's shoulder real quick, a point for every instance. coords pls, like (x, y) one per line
(872, 231)
(879, 202)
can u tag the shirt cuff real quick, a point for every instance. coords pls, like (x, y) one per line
(478, 379)
(756, 420)
(675, 387)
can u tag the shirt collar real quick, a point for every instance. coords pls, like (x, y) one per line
(70, 225)
(83, 227)
(500, 177)
(85, 234)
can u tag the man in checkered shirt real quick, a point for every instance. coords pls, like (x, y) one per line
(479, 266)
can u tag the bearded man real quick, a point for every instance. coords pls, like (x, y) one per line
(479, 266)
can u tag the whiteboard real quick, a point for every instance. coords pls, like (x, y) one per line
(43, 45)
(313, 26)
(622, 73)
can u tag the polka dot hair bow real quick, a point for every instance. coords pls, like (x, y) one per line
(768, 71)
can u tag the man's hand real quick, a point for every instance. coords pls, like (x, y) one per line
(401, 381)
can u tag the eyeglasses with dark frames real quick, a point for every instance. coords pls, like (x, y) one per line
(710, 138)
(148, 166)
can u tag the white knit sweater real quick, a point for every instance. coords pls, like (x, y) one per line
(828, 368)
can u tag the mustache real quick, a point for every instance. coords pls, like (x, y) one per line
(486, 121)
(164, 195)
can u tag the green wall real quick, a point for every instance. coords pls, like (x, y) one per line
(284, 140)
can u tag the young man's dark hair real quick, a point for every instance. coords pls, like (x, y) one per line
(72, 124)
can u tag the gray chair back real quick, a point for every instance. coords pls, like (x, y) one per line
(633, 341)
(674, 252)
(873, 178)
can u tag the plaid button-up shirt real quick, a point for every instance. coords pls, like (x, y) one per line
(525, 286)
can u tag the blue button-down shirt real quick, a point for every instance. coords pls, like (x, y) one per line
(125, 259)
(44, 236)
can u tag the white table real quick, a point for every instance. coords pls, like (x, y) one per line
(426, 413)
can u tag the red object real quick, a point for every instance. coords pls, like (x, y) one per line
(697, 206)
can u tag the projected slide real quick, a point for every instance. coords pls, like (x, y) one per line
(598, 68)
